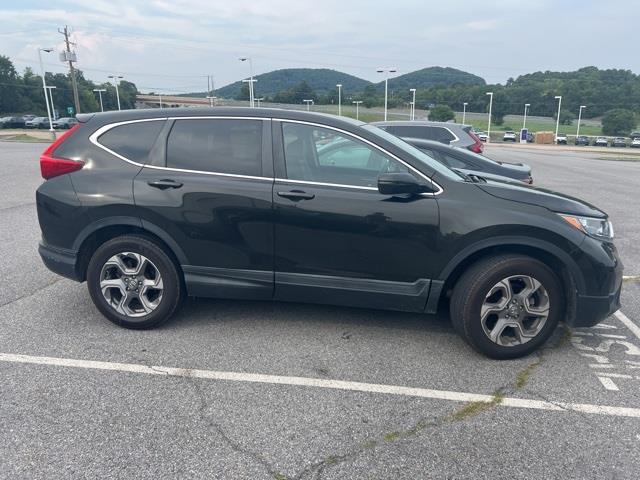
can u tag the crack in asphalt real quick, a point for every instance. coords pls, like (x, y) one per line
(30, 294)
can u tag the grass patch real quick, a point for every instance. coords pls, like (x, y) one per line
(23, 137)
(473, 409)
(620, 158)
(523, 375)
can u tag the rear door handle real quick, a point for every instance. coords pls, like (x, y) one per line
(164, 184)
(296, 195)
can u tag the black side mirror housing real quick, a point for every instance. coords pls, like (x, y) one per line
(401, 183)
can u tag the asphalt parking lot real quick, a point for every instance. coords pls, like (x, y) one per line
(257, 390)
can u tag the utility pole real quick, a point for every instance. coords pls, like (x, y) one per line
(70, 57)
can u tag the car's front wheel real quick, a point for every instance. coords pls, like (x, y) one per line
(507, 306)
(134, 282)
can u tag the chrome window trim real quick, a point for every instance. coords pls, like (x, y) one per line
(93, 138)
(438, 188)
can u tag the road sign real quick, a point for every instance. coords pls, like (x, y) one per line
(523, 135)
(70, 110)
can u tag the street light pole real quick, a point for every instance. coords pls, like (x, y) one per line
(44, 87)
(211, 99)
(579, 118)
(386, 71)
(464, 111)
(559, 98)
(339, 85)
(251, 97)
(357, 103)
(160, 100)
(413, 104)
(53, 108)
(259, 99)
(489, 126)
(308, 102)
(116, 78)
(100, 90)
(524, 120)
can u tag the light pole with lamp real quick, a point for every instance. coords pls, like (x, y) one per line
(387, 71)
(44, 88)
(579, 118)
(524, 119)
(464, 111)
(357, 104)
(211, 99)
(100, 90)
(259, 99)
(489, 125)
(339, 85)
(116, 79)
(308, 102)
(559, 98)
(251, 80)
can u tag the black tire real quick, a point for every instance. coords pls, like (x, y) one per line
(173, 288)
(472, 287)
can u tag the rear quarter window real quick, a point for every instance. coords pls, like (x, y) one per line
(216, 145)
(133, 141)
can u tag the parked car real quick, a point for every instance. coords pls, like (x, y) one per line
(471, 163)
(509, 136)
(445, 132)
(482, 136)
(582, 140)
(65, 122)
(28, 117)
(619, 142)
(635, 143)
(531, 137)
(601, 142)
(148, 207)
(634, 135)
(35, 122)
(561, 139)
(12, 122)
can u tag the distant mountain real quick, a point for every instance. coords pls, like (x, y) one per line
(321, 80)
(431, 77)
(324, 80)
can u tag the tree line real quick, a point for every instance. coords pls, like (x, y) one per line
(22, 93)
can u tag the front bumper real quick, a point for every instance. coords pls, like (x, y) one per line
(592, 310)
(60, 261)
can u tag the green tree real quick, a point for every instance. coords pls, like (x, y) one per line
(244, 92)
(618, 121)
(566, 117)
(441, 113)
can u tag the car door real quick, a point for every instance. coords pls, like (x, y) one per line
(337, 239)
(209, 188)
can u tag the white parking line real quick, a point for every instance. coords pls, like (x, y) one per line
(628, 323)
(320, 383)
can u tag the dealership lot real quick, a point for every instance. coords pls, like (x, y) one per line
(78, 395)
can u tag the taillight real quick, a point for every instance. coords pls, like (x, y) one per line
(477, 146)
(52, 166)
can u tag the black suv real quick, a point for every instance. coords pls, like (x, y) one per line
(148, 206)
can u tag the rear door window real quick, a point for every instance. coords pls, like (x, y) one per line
(132, 141)
(228, 146)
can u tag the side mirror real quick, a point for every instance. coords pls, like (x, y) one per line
(400, 183)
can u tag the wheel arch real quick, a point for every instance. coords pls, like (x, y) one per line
(554, 257)
(95, 234)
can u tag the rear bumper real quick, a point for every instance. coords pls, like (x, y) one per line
(60, 261)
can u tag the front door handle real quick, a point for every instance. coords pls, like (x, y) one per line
(296, 195)
(164, 184)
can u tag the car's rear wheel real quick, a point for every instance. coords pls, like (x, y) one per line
(507, 306)
(134, 282)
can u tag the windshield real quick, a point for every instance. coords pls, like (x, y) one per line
(414, 152)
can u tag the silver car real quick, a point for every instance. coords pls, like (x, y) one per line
(453, 134)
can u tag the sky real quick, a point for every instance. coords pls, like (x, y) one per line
(172, 45)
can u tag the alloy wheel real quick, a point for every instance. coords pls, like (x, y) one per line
(131, 284)
(514, 310)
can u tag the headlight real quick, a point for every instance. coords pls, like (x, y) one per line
(596, 227)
